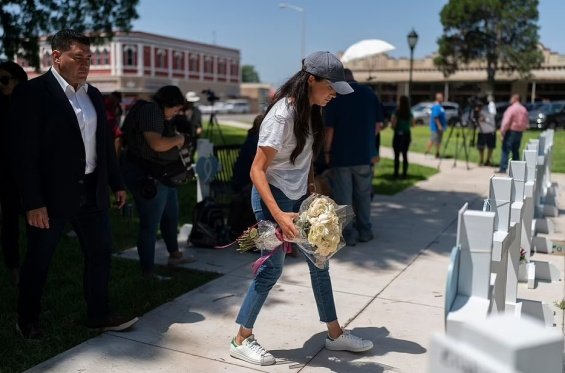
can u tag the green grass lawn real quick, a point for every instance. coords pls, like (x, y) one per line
(421, 135)
(384, 183)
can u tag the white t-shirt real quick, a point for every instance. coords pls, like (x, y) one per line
(486, 121)
(277, 132)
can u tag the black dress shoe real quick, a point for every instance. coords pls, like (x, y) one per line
(29, 330)
(112, 323)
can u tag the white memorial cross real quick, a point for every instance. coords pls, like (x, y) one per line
(540, 223)
(468, 289)
(530, 157)
(543, 271)
(517, 171)
(500, 202)
(547, 199)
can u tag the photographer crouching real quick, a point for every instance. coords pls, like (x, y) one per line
(483, 120)
(156, 159)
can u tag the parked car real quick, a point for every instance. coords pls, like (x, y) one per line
(422, 111)
(237, 106)
(549, 115)
(219, 107)
(530, 106)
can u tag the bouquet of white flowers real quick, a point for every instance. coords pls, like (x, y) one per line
(320, 224)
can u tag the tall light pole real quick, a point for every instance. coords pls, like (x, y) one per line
(412, 41)
(303, 12)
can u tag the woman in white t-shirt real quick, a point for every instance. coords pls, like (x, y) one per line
(282, 176)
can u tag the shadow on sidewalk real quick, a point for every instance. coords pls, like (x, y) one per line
(406, 223)
(348, 362)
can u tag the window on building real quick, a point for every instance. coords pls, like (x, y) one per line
(95, 59)
(208, 65)
(234, 69)
(160, 60)
(194, 63)
(178, 61)
(222, 66)
(105, 57)
(130, 55)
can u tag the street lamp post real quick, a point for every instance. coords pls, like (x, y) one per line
(412, 41)
(303, 12)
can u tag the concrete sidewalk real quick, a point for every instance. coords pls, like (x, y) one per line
(389, 290)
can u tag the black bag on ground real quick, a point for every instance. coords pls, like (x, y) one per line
(209, 228)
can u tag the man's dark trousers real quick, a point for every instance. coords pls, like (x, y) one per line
(92, 227)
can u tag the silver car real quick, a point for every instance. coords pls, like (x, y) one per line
(422, 112)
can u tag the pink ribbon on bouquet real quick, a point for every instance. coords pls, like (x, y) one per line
(286, 246)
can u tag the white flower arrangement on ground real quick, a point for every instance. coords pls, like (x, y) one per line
(320, 224)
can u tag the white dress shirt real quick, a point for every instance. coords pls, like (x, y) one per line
(86, 116)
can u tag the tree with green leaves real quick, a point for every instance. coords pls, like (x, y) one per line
(501, 33)
(23, 22)
(249, 74)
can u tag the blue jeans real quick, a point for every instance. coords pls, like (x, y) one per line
(352, 186)
(511, 142)
(161, 211)
(271, 270)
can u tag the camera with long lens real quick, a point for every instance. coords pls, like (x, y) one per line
(181, 171)
(210, 96)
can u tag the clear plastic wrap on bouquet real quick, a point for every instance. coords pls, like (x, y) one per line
(265, 235)
(269, 237)
(320, 225)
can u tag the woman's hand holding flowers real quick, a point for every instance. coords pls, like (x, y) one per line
(285, 221)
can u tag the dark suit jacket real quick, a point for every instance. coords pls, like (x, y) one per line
(47, 151)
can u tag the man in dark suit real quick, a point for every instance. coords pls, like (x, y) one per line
(64, 160)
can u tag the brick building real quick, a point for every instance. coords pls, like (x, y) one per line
(139, 63)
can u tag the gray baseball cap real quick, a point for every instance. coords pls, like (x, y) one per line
(327, 66)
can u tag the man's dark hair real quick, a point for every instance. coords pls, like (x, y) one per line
(62, 40)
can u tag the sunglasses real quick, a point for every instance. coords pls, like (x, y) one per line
(5, 80)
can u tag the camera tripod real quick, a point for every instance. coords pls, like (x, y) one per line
(460, 142)
(213, 123)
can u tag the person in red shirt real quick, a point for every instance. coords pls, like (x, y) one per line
(514, 122)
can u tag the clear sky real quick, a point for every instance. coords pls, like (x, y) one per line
(269, 37)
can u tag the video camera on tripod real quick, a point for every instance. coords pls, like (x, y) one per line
(210, 96)
(213, 121)
(475, 104)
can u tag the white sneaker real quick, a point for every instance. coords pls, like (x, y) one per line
(348, 342)
(251, 351)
